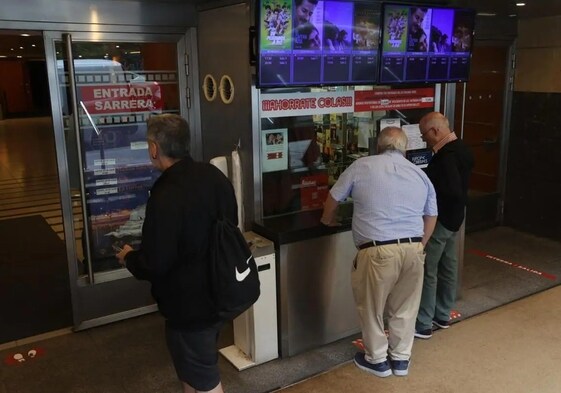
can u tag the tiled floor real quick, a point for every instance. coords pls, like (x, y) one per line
(510, 349)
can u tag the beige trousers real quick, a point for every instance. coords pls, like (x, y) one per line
(388, 278)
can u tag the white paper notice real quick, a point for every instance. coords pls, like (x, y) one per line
(389, 123)
(274, 148)
(414, 140)
(364, 133)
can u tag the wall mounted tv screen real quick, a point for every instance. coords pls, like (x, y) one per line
(317, 43)
(425, 44)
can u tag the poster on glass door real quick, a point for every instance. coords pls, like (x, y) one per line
(274, 150)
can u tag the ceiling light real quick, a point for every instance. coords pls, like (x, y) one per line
(520, 4)
(21, 47)
(25, 35)
(3, 56)
(33, 45)
(486, 14)
(512, 15)
(19, 57)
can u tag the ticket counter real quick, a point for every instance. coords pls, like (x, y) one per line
(302, 152)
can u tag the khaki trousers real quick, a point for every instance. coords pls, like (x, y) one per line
(388, 278)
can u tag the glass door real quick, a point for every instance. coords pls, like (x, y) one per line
(103, 88)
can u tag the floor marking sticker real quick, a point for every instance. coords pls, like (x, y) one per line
(20, 358)
(512, 264)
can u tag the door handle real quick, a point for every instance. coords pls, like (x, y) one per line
(76, 123)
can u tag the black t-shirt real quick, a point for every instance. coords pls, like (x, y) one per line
(449, 172)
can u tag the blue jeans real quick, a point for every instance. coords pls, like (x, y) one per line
(440, 279)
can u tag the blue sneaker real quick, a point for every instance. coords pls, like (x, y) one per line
(400, 367)
(381, 369)
(424, 334)
(441, 324)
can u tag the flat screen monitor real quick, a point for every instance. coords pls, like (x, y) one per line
(317, 43)
(423, 44)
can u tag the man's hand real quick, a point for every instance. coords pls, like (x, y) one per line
(123, 253)
(333, 223)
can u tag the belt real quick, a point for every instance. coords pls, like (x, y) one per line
(375, 243)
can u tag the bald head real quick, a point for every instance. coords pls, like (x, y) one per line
(392, 138)
(434, 126)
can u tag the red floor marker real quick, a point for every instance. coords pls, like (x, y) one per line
(454, 315)
(22, 357)
(512, 264)
(358, 343)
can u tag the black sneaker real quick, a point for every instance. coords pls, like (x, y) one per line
(381, 369)
(441, 324)
(424, 334)
(400, 367)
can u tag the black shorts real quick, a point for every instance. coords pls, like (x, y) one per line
(195, 355)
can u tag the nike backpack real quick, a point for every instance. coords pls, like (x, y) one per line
(234, 280)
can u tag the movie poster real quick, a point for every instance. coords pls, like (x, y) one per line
(418, 29)
(337, 26)
(441, 31)
(463, 30)
(276, 25)
(366, 29)
(395, 29)
(307, 24)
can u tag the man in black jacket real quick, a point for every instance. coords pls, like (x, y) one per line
(184, 203)
(449, 171)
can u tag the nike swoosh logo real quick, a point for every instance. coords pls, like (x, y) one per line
(242, 276)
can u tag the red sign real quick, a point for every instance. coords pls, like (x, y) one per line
(313, 191)
(373, 100)
(136, 97)
(274, 156)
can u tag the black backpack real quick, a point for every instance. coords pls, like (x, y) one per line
(234, 281)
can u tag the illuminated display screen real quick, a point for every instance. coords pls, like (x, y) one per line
(317, 43)
(425, 44)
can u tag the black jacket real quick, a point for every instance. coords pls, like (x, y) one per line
(449, 171)
(184, 203)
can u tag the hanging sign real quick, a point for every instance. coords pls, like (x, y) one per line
(376, 100)
(321, 103)
(301, 104)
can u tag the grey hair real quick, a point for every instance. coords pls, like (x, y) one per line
(392, 139)
(172, 134)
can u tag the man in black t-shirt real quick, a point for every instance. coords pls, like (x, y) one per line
(449, 170)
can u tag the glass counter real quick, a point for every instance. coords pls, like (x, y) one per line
(309, 136)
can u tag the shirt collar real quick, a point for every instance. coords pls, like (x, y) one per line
(447, 139)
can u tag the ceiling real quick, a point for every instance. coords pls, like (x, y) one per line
(532, 9)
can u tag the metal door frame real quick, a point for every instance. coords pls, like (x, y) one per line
(108, 298)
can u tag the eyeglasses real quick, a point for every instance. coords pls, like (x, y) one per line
(424, 133)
